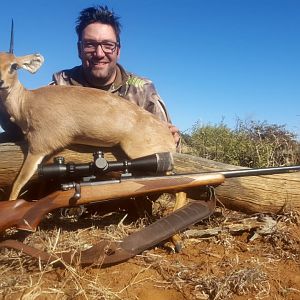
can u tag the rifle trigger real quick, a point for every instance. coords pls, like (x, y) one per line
(211, 193)
(77, 194)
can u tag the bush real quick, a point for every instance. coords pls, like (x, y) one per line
(250, 144)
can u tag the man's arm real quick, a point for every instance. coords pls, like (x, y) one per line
(154, 104)
(176, 135)
(150, 100)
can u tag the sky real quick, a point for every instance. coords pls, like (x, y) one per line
(211, 61)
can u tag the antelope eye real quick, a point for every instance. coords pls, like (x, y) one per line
(14, 67)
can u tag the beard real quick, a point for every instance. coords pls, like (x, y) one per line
(100, 74)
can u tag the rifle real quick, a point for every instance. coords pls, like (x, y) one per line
(27, 215)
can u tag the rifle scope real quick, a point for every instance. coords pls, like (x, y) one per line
(157, 163)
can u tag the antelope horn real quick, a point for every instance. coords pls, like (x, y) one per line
(11, 47)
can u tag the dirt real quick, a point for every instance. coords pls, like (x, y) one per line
(228, 265)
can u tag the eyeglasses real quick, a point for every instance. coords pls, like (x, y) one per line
(107, 47)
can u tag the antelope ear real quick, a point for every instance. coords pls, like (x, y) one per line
(31, 62)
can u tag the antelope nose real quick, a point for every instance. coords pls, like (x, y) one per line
(1, 82)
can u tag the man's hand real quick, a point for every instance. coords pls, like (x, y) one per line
(175, 132)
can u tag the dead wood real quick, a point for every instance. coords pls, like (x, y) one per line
(269, 193)
(258, 225)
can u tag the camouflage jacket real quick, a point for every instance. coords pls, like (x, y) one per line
(127, 85)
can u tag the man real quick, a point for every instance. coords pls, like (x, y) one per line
(98, 31)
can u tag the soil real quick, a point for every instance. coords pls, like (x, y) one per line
(246, 263)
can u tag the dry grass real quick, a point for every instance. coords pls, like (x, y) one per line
(33, 278)
(224, 266)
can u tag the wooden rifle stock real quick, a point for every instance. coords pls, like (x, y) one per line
(27, 215)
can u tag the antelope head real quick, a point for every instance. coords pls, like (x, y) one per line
(9, 64)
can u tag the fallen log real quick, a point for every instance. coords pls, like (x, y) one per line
(268, 193)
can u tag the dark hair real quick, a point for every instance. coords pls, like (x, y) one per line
(99, 14)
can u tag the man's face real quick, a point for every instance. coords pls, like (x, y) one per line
(99, 66)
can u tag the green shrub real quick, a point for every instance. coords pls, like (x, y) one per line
(249, 144)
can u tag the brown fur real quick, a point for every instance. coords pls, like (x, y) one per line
(53, 117)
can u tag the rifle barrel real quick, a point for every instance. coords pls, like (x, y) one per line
(259, 171)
